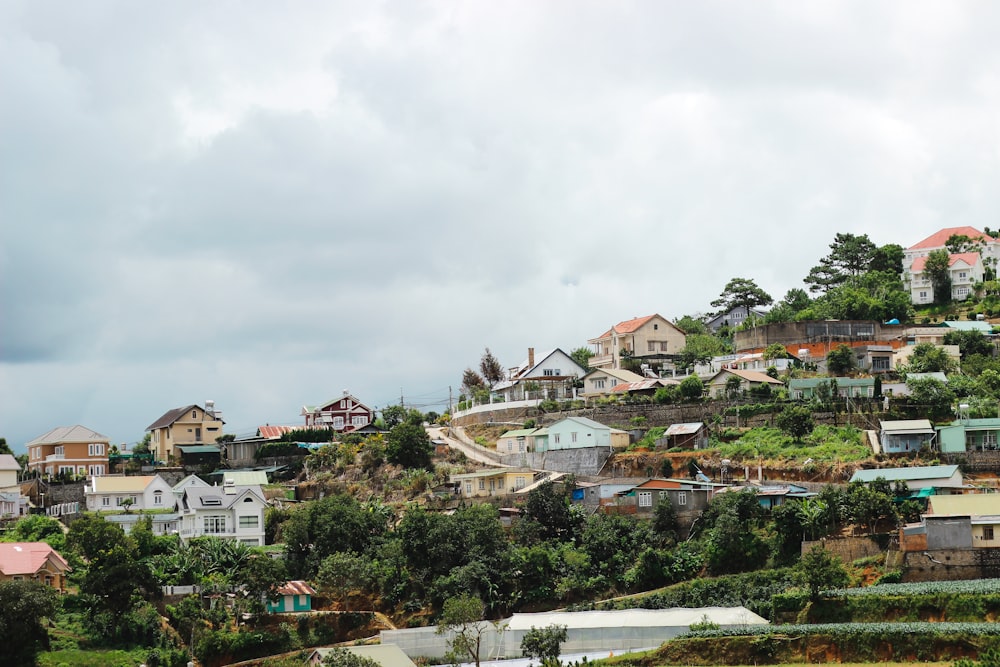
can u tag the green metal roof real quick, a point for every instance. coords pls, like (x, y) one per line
(520, 432)
(905, 474)
(199, 449)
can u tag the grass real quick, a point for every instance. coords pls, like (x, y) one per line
(826, 444)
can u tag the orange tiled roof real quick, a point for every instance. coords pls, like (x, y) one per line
(969, 258)
(937, 239)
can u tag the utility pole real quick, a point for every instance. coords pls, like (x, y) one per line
(401, 398)
(449, 400)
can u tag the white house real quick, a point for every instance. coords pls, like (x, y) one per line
(965, 270)
(227, 512)
(9, 468)
(549, 375)
(114, 494)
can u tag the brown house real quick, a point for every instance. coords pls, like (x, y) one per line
(191, 425)
(69, 449)
(36, 561)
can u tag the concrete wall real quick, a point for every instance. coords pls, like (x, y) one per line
(951, 533)
(946, 564)
(848, 549)
(583, 461)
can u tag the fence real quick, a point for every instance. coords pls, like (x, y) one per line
(63, 509)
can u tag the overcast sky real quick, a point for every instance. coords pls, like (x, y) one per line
(267, 203)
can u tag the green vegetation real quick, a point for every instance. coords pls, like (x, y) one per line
(824, 444)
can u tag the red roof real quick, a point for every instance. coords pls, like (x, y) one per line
(272, 432)
(27, 557)
(296, 587)
(969, 258)
(938, 239)
(628, 326)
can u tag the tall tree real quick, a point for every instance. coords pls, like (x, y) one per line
(409, 446)
(582, 355)
(691, 324)
(463, 616)
(937, 269)
(471, 381)
(929, 358)
(23, 607)
(742, 293)
(490, 369)
(840, 360)
(959, 243)
(850, 256)
(888, 259)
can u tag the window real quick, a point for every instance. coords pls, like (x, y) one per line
(96, 470)
(482, 485)
(95, 449)
(880, 363)
(510, 446)
(651, 346)
(65, 469)
(157, 497)
(194, 414)
(359, 421)
(663, 494)
(338, 423)
(343, 403)
(60, 451)
(119, 500)
(572, 436)
(518, 483)
(468, 488)
(656, 326)
(105, 502)
(549, 372)
(555, 439)
(645, 499)
(962, 274)
(249, 522)
(923, 295)
(682, 498)
(599, 384)
(962, 291)
(214, 525)
(987, 532)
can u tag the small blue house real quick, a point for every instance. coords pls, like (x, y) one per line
(907, 435)
(295, 596)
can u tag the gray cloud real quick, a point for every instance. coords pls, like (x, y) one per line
(264, 207)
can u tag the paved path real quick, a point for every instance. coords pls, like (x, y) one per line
(474, 453)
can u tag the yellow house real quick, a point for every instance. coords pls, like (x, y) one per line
(491, 482)
(652, 340)
(36, 561)
(69, 449)
(187, 426)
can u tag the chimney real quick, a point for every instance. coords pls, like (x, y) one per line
(531, 357)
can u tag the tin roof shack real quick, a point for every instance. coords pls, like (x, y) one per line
(691, 435)
(906, 436)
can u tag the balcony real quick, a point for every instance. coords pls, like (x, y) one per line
(600, 360)
(55, 457)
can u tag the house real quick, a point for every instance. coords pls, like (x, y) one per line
(242, 451)
(733, 318)
(12, 504)
(809, 388)
(963, 521)
(901, 357)
(599, 382)
(965, 270)
(604, 491)
(643, 387)
(903, 389)
(342, 414)
(972, 435)
(190, 480)
(718, 385)
(651, 340)
(688, 497)
(491, 482)
(294, 596)
(229, 513)
(386, 655)
(905, 436)
(9, 469)
(691, 435)
(550, 375)
(135, 493)
(980, 250)
(69, 450)
(35, 561)
(516, 440)
(874, 359)
(770, 496)
(573, 433)
(948, 477)
(190, 426)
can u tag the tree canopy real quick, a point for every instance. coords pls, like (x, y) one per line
(850, 256)
(742, 293)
